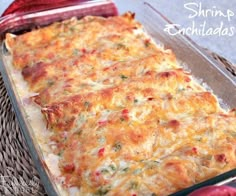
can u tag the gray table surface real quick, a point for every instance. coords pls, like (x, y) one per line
(177, 12)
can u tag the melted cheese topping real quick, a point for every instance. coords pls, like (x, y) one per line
(119, 114)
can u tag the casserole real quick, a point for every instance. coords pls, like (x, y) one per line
(210, 104)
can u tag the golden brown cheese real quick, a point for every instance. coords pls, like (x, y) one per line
(90, 66)
(125, 118)
(170, 82)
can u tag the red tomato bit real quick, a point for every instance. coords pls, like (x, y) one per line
(194, 149)
(221, 158)
(97, 173)
(150, 98)
(125, 114)
(101, 152)
(69, 167)
(102, 122)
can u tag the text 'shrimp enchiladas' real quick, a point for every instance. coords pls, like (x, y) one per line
(114, 113)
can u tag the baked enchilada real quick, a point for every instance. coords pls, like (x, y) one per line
(118, 114)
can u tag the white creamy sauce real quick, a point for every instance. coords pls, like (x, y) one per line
(97, 85)
(35, 119)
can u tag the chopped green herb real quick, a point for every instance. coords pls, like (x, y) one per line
(135, 101)
(125, 169)
(180, 89)
(78, 132)
(122, 119)
(50, 82)
(198, 139)
(60, 153)
(137, 171)
(86, 104)
(101, 140)
(133, 185)
(66, 92)
(123, 77)
(120, 46)
(72, 28)
(75, 51)
(81, 118)
(104, 171)
(113, 167)
(102, 191)
(147, 44)
(153, 164)
(117, 146)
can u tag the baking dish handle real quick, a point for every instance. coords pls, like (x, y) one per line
(28, 14)
(26, 6)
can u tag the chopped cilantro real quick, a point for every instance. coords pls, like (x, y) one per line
(113, 167)
(198, 139)
(122, 119)
(133, 185)
(78, 132)
(147, 44)
(75, 51)
(72, 28)
(180, 89)
(50, 82)
(86, 104)
(125, 169)
(123, 77)
(66, 92)
(60, 153)
(120, 46)
(81, 118)
(117, 146)
(101, 140)
(104, 171)
(102, 191)
(137, 171)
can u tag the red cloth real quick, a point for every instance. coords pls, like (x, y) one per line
(215, 191)
(19, 6)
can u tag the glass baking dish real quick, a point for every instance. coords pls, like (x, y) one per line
(218, 79)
